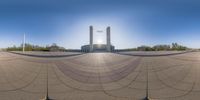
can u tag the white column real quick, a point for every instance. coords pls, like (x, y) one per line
(91, 38)
(108, 39)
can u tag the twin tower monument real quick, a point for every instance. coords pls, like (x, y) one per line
(98, 47)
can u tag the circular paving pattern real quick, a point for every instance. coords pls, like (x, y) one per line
(97, 76)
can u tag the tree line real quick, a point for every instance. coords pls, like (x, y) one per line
(55, 47)
(30, 47)
(162, 47)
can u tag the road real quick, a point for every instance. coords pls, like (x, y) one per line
(100, 76)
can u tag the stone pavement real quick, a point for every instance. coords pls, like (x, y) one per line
(100, 76)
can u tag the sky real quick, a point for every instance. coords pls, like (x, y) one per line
(133, 22)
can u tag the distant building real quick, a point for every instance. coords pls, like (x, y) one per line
(55, 48)
(98, 47)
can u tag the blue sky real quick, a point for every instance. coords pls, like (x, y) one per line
(133, 22)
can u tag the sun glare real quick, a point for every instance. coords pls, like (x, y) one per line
(99, 41)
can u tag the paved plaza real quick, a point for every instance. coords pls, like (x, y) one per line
(100, 76)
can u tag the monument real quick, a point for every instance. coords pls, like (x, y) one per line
(98, 47)
(108, 39)
(91, 38)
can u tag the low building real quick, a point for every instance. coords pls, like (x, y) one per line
(96, 48)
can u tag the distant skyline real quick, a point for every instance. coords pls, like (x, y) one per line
(133, 22)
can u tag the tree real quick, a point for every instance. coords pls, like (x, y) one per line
(145, 48)
(161, 47)
(176, 46)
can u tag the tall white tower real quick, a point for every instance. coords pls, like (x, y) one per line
(108, 39)
(91, 38)
(108, 45)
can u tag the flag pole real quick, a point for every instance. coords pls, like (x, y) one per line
(24, 42)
